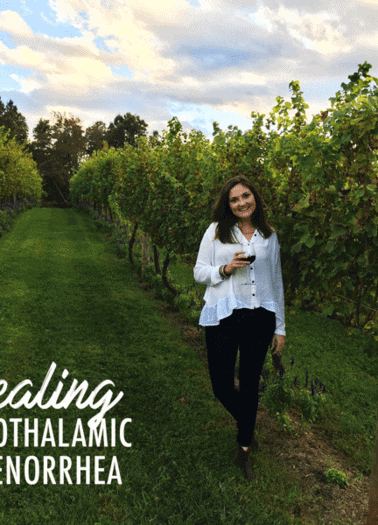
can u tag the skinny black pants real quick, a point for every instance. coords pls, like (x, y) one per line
(251, 331)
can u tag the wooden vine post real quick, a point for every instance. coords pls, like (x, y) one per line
(156, 260)
(373, 495)
(132, 241)
(145, 243)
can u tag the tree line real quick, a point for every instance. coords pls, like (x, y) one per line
(59, 145)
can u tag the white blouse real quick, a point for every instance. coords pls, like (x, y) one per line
(259, 284)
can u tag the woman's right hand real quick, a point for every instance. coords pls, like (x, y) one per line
(236, 262)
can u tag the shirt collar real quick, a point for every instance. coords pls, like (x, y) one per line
(239, 234)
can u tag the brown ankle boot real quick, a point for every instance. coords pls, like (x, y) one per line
(244, 463)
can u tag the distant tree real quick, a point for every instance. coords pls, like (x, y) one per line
(155, 138)
(95, 137)
(70, 142)
(57, 149)
(13, 120)
(125, 129)
(19, 178)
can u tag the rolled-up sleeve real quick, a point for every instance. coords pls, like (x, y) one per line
(204, 271)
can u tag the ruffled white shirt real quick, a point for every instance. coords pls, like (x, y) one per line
(264, 277)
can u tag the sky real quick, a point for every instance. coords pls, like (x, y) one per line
(202, 61)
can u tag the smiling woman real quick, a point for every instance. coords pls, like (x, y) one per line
(244, 303)
(242, 204)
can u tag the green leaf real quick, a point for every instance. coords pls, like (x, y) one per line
(328, 310)
(336, 231)
(310, 242)
(331, 245)
(360, 192)
(295, 248)
(371, 230)
(308, 239)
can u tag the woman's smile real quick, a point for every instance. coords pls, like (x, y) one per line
(242, 201)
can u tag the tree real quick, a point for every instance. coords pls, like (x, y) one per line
(19, 178)
(58, 148)
(125, 129)
(95, 137)
(13, 120)
(155, 139)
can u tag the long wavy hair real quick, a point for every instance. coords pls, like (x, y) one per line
(222, 214)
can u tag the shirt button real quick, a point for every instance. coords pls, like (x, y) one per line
(253, 295)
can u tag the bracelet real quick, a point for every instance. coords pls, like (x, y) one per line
(223, 273)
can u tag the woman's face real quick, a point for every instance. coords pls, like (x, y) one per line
(242, 201)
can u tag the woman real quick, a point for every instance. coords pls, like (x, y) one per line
(244, 303)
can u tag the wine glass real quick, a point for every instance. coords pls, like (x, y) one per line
(250, 258)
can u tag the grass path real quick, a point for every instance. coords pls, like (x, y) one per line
(66, 298)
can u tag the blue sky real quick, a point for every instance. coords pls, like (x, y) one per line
(199, 60)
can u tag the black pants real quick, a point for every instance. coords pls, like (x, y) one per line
(251, 331)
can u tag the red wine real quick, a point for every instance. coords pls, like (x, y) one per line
(250, 259)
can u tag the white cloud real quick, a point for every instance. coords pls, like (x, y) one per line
(369, 40)
(129, 39)
(370, 3)
(320, 32)
(264, 17)
(45, 19)
(23, 56)
(25, 9)
(218, 56)
(29, 84)
(243, 109)
(11, 22)
(81, 74)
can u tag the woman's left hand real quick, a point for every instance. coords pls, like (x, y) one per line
(280, 343)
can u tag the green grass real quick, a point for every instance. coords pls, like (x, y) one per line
(66, 297)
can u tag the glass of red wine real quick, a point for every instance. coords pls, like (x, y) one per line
(249, 258)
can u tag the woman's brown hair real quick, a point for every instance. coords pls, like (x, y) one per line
(222, 214)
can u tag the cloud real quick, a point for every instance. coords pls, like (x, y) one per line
(130, 43)
(320, 31)
(209, 57)
(11, 22)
